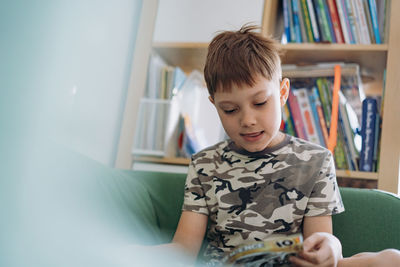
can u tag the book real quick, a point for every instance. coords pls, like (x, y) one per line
(322, 21)
(319, 126)
(286, 20)
(307, 115)
(274, 251)
(361, 23)
(288, 122)
(296, 116)
(296, 21)
(307, 21)
(337, 28)
(374, 20)
(368, 132)
(344, 22)
(291, 23)
(329, 19)
(351, 20)
(369, 22)
(314, 25)
(304, 37)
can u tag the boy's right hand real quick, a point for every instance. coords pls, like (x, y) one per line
(319, 249)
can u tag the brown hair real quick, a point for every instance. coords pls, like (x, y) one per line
(237, 57)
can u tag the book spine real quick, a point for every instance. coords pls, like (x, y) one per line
(307, 115)
(296, 116)
(291, 23)
(307, 21)
(322, 21)
(363, 22)
(350, 21)
(296, 21)
(376, 144)
(318, 127)
(343, 21)
(374, 20)
(369, 22)
(335, 21)
(321, 85)
(313, 20)
(304, 37)
(289, 127)
(368, 133)
(329, 19)
(321, 116)
(286, 20)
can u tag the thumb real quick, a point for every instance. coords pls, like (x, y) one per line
(313, 242)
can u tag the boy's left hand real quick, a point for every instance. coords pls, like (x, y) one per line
(319, 249)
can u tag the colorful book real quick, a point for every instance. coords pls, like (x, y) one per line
(322, 21)
(368, 124)
(351, 20)
(363, 21)
(307, 115)
(314, 24)
(324, 97)
(348, 132)
(369, 22)
(344, 21)
(303, 30)
(374, 20)
(307, 21)
(288, 127)
(337, 28)
(291, 22)
(296, 116)
(314, 103)
(321, 116)
(329, 19)
(286, 20)
(296, 21)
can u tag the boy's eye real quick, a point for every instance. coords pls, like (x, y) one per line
(229, 111)
(261, 103)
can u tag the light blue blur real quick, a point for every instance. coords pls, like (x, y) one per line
(64, 72)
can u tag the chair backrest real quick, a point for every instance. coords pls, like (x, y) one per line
(370, 221)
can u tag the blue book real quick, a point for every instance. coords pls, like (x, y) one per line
(329, 19)
(296, 21)
(374, 20)
(286, 20)
(313, 96)
(368, 132)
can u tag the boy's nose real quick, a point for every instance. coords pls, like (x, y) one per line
(248, 119)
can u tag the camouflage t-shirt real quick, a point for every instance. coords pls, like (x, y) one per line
(251, 196)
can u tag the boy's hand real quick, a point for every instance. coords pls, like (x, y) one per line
(319, 249)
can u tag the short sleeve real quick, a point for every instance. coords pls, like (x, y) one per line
(195, 197)
(325, 197)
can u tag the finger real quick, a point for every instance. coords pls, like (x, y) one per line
(312, 242)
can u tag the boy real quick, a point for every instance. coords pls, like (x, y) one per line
(260, 182)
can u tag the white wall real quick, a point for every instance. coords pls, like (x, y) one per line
(65, 66)
(199, 20)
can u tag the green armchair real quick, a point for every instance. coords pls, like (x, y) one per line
(68, 210)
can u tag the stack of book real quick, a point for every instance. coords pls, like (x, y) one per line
(308, 111)
(336, 21)
(163, 82)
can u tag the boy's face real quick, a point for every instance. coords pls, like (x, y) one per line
(251, 116)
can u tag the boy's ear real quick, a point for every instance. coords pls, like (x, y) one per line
(284, 91)
(211, 99)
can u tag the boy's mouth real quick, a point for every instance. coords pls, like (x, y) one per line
(251, 137)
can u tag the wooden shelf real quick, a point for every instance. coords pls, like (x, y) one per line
(188, 56)
(186, 161)
(357, 174)
(371, 58)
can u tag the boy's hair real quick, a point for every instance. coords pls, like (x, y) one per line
(237, 57)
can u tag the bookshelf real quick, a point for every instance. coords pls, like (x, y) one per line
(373, 59)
